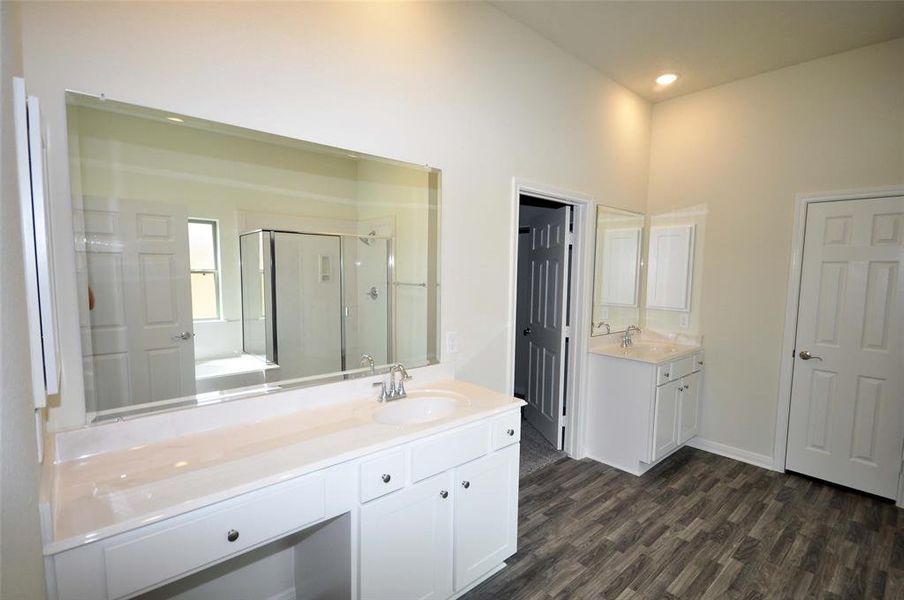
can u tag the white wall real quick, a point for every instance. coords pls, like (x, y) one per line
(744, 149)
(457, 86)
(21, 571)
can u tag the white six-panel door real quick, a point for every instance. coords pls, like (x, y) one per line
(847, 399)
(545, 332)
(138, 347)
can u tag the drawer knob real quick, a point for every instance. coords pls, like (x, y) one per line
(466, 484)
(232, 535)
(700, 362)
(444, 494)
(665, 374)
(510, 432)
(386, 477)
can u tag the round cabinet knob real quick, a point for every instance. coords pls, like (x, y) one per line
(510, 432)
(444, 494)
(466, 484)
(665, 374)
(232, 535)
(386, 477)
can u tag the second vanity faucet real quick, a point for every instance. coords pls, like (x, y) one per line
(394, 391)
(627, 341)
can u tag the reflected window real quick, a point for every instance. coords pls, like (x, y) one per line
(205, 269)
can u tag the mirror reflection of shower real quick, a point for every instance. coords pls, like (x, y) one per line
(315, 303)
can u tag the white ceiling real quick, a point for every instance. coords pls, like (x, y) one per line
(707, 43)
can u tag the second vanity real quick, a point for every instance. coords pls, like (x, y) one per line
(324, 498)
(643, 402)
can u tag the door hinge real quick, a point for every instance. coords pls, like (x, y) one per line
(568, 331)
(572, 238)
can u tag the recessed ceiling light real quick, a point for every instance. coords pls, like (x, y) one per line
(667, 79)
(175, 119)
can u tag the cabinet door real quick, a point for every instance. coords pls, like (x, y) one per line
(406, 543)
(689, 401)
(665, 421)
(486, 514)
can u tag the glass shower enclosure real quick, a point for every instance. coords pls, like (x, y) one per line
(315, 303)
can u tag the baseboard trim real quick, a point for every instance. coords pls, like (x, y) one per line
(745, 456)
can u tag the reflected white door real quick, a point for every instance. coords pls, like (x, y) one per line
(545, 332)
(138, 347)
(847, 398)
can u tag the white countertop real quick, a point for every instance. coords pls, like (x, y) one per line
(652, 351)
(104, 494)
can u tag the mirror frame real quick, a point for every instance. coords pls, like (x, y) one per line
(596, 326)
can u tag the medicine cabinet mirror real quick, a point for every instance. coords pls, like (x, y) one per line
(216, 262)
(617, 270)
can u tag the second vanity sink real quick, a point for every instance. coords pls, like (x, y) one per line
(420, 407)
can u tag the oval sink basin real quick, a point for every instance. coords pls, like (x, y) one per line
(654, 348)
(420, 408)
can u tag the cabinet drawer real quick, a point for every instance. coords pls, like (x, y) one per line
(168, 553)
(506, 429)
(681, 367)
(382, 475)
(449, 450)
(663, 374)
(698, 361)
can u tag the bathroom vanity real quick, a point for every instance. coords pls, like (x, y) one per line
(324, 493)
(643, 402)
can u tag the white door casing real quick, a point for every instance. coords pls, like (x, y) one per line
(139, 346)
(545, 332)
(846, 420)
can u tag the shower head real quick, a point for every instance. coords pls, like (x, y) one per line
(367, 240)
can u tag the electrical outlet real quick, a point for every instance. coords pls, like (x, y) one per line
(451, 342)
(684, 321)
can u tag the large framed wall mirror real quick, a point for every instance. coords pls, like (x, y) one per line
(617, 270)
(216, 262)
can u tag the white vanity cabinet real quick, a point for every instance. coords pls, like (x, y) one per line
(462, 521)
(406, 543)
(428, 519)
(641, 411)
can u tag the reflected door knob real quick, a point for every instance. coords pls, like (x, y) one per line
(527, 331)
(805, 355)
(185, 335)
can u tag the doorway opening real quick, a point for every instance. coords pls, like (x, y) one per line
(543, 315)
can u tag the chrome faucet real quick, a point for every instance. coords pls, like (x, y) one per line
(367, 359)
(394, 391)
(627, 342)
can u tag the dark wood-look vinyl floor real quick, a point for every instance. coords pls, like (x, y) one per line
(698, 526)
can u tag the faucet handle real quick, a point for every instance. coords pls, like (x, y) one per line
(384, 393)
